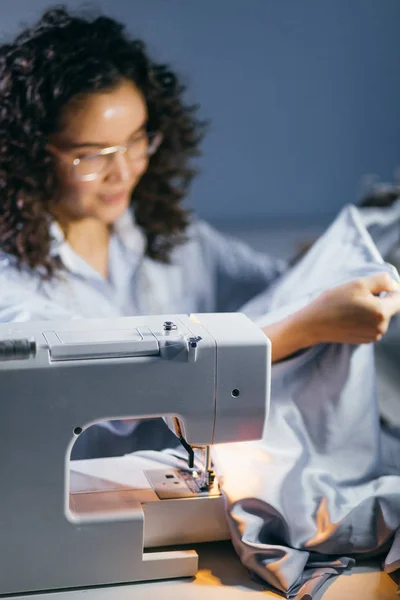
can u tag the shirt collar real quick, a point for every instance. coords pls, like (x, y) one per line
(128, 232)
(125, 231)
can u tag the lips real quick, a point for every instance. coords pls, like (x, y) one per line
(114, 198)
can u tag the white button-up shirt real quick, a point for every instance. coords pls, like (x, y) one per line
(210, 272)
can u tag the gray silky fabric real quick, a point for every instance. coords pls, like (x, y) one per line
(383, 224)
(323, 485)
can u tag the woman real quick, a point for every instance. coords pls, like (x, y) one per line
(95, 158)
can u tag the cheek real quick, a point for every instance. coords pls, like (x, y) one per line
(139, 169)
(78, 193)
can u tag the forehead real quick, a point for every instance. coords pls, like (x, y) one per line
(104, 117)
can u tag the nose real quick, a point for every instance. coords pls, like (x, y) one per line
(120, 169)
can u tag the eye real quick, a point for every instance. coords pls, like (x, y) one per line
(138, 137)
(87, 157)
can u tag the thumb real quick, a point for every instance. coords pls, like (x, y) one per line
(382, 282)
(391, 304)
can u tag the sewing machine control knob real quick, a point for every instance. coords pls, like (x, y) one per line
(169, 326)
(192, 347)
(17, 349)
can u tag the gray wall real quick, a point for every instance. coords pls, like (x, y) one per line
(304, 97)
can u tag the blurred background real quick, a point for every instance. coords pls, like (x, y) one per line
(303, 99)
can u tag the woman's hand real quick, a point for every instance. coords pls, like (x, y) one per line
(352, 313)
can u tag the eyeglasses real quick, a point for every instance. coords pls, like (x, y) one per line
(89, 166)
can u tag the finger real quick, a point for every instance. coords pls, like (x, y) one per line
(391, 304)
(382, 282)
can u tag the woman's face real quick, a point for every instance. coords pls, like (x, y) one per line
(90, 124)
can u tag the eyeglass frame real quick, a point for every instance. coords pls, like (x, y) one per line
(119, 148)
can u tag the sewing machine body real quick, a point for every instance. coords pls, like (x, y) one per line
(211, 373)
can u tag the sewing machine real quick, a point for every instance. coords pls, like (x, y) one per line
(208, 375)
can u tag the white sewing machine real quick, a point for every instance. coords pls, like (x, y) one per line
(70, 524)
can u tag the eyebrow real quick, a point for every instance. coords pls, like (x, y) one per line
(104, 144)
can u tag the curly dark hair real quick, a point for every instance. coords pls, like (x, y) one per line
(60, 57)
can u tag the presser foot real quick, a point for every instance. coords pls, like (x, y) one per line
(206, 480)
(176, 483)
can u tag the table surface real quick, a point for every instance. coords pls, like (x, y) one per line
(221, 576)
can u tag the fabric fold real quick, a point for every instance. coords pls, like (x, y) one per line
(316, 492)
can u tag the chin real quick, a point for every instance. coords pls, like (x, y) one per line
(110, 214)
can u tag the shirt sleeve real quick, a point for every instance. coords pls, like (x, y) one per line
(239, 273)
